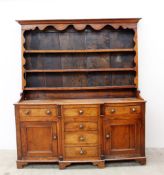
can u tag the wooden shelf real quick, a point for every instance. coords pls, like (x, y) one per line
(80, 51)
(83, 70)
(79, 88)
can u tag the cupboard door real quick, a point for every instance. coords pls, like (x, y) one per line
(122, 137)
(39, 139)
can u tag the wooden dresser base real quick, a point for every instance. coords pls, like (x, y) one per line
(105, 130)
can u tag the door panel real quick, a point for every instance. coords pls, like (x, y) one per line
(39, 139)
(122, 137)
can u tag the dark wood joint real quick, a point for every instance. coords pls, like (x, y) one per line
(59, 111)
(102, 110)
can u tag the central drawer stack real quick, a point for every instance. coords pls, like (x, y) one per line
(81, 132)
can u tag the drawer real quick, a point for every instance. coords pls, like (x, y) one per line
(81, 152)
(122, 110)
(38, 113)
(80, 126)
(81, 110)
(80, 113)
(73, 138)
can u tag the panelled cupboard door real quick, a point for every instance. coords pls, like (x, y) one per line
(39, 139)
(122, 137)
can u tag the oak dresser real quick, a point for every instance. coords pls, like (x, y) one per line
(80, 100)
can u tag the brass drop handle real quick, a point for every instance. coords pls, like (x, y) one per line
(48, 112)
(27, 112)
(81, 138)
(133, 109)
(107, 136)
(81, 112)
(113, 111)
(55, 137)
(81, 126)
(81, 151)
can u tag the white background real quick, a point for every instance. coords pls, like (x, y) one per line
(151, 56)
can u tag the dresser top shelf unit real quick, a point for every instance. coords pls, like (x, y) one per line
(94, 56)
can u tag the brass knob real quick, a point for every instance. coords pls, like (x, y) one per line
(54, 137)
(133, 109)
(48, 112)
(81, 126)
(81, 151)
(27, 112)
(113, 111)
(81, 138)
(107, 136)
(81, 112)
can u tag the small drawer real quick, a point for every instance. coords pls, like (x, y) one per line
(80, 126)
(73, 138)
(122, 110)
(80, 113)
(38, 113)
(81, 152)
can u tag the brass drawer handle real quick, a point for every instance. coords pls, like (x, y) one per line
(113, 111)
(107, 136)
(27, 112)
(133, 109)
(55, 137)
(82, 138)
(48, 112)
(81, 112)
(82, 151)
(81, 126)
